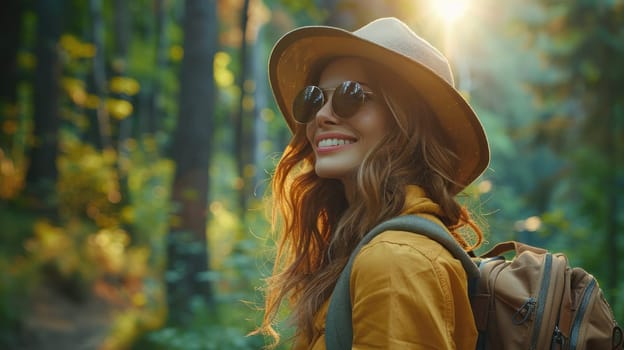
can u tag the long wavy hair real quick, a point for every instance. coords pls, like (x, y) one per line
(318, 228)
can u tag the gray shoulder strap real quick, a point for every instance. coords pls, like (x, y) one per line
(338, 323)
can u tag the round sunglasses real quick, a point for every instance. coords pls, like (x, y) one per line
(347, 98)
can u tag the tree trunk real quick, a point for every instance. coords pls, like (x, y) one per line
(122, 33)
(338, 17)
(187, 264)
(241, 139)
(122, 28)
(613, 223)
(260, 129)
(615, 175)
(10, 21)
(42, 172)
(101, 124)
(155, 112)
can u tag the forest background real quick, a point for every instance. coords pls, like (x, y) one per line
(137, 139)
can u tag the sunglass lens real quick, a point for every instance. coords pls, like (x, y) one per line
(307, 103)
(347, 99)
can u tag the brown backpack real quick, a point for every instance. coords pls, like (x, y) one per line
(533, 301)
(537, 301)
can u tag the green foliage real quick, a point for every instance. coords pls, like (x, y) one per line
(17, 274)
(88, 182)
(149, 180)
(543, 76)
(582, 43)
(311, 10)
(16, 282)
(204, 338)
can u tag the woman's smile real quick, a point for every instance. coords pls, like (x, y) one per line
(327, 143)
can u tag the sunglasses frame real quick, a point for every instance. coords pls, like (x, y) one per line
(347, 98)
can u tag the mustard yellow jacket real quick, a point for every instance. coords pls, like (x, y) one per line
(407, 292)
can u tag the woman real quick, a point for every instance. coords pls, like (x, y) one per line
(378, 132)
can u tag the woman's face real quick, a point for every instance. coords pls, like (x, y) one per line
(341, 144)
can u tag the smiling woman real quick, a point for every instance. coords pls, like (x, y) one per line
(379, 131)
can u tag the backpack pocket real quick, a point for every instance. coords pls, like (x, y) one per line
(593, 324)
(521, 313)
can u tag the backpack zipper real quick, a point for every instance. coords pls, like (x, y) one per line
(541, 300)
(576, 326)
(558, 339)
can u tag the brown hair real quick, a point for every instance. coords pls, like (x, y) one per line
(318, 229)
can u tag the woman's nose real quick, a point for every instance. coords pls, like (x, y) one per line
(326, 115)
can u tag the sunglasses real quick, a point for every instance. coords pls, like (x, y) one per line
(347, 98)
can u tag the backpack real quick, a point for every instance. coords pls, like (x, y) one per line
(533, 301)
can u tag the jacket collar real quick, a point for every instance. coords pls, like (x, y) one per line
(417, 202)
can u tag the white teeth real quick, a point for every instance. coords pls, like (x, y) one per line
(333, 142)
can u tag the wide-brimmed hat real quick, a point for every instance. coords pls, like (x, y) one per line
(297, 56)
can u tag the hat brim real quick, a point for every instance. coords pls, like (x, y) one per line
(298, 53)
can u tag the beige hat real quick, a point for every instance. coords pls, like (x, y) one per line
(392, 44)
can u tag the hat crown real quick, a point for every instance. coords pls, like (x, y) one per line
(397, 36)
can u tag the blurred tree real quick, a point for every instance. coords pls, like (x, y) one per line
(242, 118)
(122, 26)
(492, 63)
(583, 42)
(187, 266)
(352, 14)
(260, 95)
(100, 125)
(10, 25)
(42, 172)
(120, 86)
(10, 29)
(154, 112)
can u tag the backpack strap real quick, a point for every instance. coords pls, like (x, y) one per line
(509, 246)
(338, 322)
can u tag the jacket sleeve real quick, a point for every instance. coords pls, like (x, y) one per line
(408, 292)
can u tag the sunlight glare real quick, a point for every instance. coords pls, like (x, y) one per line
(450, 10)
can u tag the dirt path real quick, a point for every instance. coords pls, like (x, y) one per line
(57, 323)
